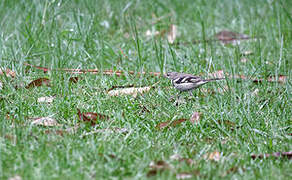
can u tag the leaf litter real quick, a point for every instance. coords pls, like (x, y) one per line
(91, 117)
(45, 121)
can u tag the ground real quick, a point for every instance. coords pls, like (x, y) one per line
(237, 117)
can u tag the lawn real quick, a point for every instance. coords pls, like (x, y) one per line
(149, 135)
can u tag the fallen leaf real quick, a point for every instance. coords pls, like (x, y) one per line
(58, 132)
(246, 53)
(217, 74)
(170, 123)
(73, 79)
(243, 60)
(175, 157)
(230, 37)
(46, 99)
(151, 33)
(184, 176)
(279, 79)
(129, 91)
(8, 73)
(255, 92)
(228, 124)
(158, 165)
(45, 121)
(91, 117)
(152, 172)
(38, 82)
(195, 119)
(283, 155)
(171, 36)
(215, 156)
(115, 87)
(16, 177)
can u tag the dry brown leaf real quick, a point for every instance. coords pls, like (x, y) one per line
(170, 123)
(215, 156)
(279, 79)
(195, 119)
(158, 165)
(46, 99)
(8, 73)
(177, 157)
(45, 121)
(283, 155)
(73, 79)
(184, 175)
(16, 177)
(91, 117)
(217, 74)
(57, 132)
(230, 37)
(38, 82)
(171, 36)
(129, 91)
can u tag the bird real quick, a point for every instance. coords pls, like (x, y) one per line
(187, 82)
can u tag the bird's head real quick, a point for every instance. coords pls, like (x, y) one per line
(171, 75)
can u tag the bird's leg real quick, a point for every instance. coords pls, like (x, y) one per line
(191, 93)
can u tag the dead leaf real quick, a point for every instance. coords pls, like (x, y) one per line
(45, 121)
(279, 79)
(217, 74)
(152, 172)
(184, 176)
(230, 37)
(73, 79)
(170, 123)
(8, 73)
(228, 124)
(57, 132)
(124, 86)
(91, 117)
(152, 33)
(215, 156)
(129, 91)
(158, 165)
(46, 99)
(243, 60)
(171, 36)
(282, 155)
(195, 119)
(255, 92)
(246, 53)
(38, 82)
(16, 177)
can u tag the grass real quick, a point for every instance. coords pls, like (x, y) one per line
(73, 34)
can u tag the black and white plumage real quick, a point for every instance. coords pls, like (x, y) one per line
(187, 82)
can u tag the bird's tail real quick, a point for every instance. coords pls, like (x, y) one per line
(214, 79)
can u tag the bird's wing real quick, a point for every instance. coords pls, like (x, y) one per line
(187, 78)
